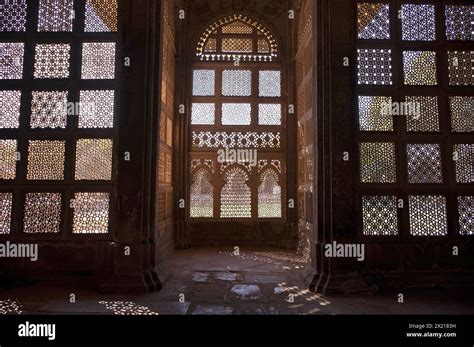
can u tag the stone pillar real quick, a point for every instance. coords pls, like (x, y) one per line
(334, 178)
(130, 258)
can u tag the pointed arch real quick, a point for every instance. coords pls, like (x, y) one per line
(202, 194)
(236, 200)
(269, 195)
(237, 37)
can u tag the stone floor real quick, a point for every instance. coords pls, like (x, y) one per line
(218, 282)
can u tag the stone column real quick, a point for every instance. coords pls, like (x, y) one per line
(129, 260)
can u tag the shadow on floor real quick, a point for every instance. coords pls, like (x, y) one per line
(219, 282)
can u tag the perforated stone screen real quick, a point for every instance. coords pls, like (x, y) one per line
(236, 116)
(415, 118)
(57, 121)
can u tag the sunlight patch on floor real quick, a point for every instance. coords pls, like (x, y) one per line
(10, 307)
(127, 308)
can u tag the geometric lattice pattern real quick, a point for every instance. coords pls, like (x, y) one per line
(424, 163)
(91, 213)
(10, 101)
(428, 119)
(374, 66)
(211, 46)
(236, 83)
(8, 159)
(52, 60)
(55, 15)
(237, 38)
(377, 162)
(163, 127)
(50, 52)
(238, 92)
(101, 16)
(461, 68)
(96, 109)
(418, 22)
(269, 114)
(204, 82)
(263, 46)
(464, 160)
(98, 60)
(380, 215)
(49, 110)
(94, 159)
(206, 139)
(235, 195)
(236, 114)
(6, 203)
(237, 27)
(42, 213)
(466, 215)
(419, 68)
(373, 21)
(169, 132)
(373, 115)
(162, 167)
(13, 15)
(425, 116)
(202, 195)
(203, 114)
(237, 45)
(46, 160)
(269, 195)
(11, 60)
(462, 113)
(459, 22)
(169, 168)
(428, 216)
(269, 83)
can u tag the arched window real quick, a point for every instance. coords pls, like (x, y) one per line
(269, 195)
(202, 195)
(235, 195)
(237, 117)
(237, 37)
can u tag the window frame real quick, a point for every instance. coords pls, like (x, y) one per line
(263, 153)
(446, 138)
(71, 134)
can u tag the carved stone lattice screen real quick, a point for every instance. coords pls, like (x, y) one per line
(415, 109)
(237, 124)
(58, 117)
(305, 131)
(165, 144)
